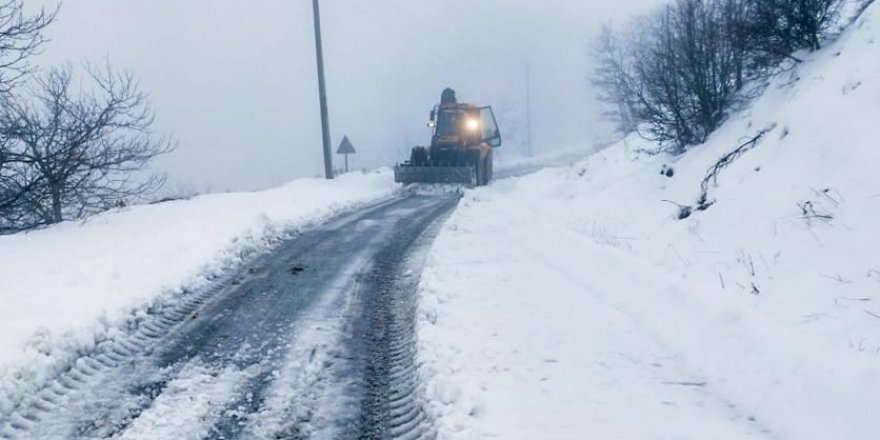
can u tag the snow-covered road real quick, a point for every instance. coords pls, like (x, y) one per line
(312, 340)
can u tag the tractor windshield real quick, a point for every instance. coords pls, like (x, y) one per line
(447, 122)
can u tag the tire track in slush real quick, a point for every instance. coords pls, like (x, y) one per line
(392, 404)
(373, 367)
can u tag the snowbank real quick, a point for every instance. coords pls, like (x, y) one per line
(573, 303)
(516, 165)
(68, 286)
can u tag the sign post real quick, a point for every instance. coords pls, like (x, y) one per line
(345, 148)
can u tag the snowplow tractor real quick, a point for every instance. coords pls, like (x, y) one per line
(461, 146)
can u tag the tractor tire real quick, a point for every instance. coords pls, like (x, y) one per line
(479, 170)
(484, 170)
(419, 156)
(490, 168)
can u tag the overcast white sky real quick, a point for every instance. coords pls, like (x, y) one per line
(234, 81)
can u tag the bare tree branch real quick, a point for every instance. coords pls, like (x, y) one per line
(21, 36)
(703, 201)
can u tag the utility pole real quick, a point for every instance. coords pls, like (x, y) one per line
(528, 109)
(322, 94)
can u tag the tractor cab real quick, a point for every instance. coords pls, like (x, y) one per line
(464, 126)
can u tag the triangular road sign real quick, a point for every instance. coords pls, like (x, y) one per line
(345, 147)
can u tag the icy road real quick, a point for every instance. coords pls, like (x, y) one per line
(313, 340)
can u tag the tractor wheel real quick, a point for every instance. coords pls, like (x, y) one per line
(477, 163)
(419, 156)
(478, 166)
(484, 170)
(490, 168)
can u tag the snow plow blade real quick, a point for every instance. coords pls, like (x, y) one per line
(464, 174)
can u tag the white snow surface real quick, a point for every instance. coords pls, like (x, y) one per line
(572, 303)
(66, 287)
(190, 405)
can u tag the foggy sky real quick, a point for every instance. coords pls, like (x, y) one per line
(234, 81)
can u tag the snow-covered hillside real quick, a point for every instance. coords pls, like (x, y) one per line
(574, 303)
(67, 287)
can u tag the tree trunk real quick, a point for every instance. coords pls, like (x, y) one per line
(57, 216)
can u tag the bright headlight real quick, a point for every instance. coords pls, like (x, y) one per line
(472, 124)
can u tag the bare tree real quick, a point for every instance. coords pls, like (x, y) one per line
(677, 75)
(673, 76)
(733, 13)
(21, 36)
(614, 80)
(772, 30)
(85, 150)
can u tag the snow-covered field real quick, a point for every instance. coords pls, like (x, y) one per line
(572, 303)
(67, 287)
